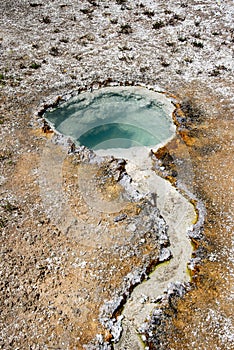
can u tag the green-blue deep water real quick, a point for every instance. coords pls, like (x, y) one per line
(113, 118)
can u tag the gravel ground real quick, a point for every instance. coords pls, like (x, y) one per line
(50, 48)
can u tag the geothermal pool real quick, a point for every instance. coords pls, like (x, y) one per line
(111, 118)
(127, 122)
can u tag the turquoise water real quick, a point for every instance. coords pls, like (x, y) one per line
(114, 135)
(113, 118)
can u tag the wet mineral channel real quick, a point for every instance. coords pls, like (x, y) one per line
(93, 113)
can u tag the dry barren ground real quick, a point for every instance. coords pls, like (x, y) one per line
(50, 48)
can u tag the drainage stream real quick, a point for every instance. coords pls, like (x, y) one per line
(128, 122)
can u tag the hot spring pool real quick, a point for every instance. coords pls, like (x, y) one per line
(115, 118)
(124, 122)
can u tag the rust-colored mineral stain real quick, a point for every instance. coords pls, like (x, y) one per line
(202, 310)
